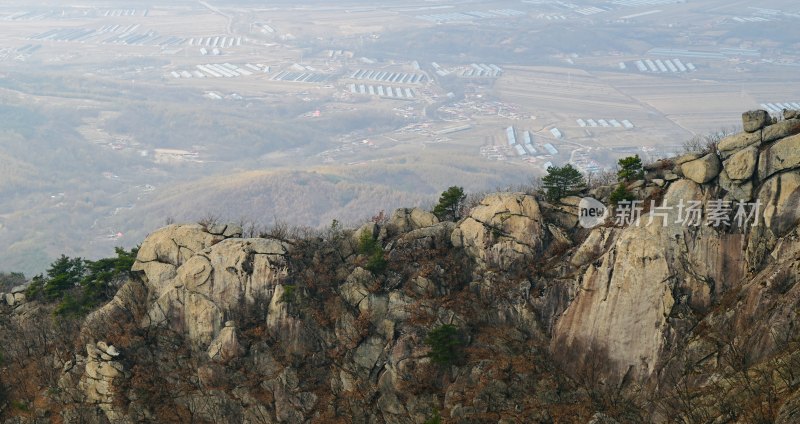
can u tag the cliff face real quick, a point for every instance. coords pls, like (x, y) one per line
(657, 320)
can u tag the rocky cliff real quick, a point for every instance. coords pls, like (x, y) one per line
(681, 308)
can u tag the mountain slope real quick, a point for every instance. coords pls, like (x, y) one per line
(513, 314)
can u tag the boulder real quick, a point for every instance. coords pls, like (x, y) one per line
(19, 298)
(733, 143)
(226, 230)
(741, 190)
(742, 164)
(573, 201)
(636, 184)
(702, 170)
(598, 242)
(19, 289)
(688, 157)
(780, 130)
(658, 165)
(409, 219)
(504, 229)
(368, 352)
(370, 228)
(780, 201)
(791, 114)
(603, 191)
(163, 251)
(112, 351)
(754, 120)
(431, 237)
(225, 346)
(354, 289)
(669, 176)
(784, 154)
(10, 299)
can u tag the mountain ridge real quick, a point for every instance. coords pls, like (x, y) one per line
(515, 313)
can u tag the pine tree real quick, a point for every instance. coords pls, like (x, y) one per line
(450, 202)
(562, 181)
(630, 169)
(621, 194)
(63, 274)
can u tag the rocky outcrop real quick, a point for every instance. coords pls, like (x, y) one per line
(702, 170)
(780, 130)
(733, 143)
(636, 321)
(780, 197)
(504, 229)
(409, 219)
(102, 374)
(754, 120)
(646, 273)
(167, 249)
(203, 288)
(226, 345)
(15, 297)
(783, 154)
(741, 165)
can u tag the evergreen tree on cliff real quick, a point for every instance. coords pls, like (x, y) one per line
(450, 202)
(562, 181)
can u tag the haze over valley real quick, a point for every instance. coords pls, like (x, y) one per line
(117, 117)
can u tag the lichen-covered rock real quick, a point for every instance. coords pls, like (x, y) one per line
(784, 154)
(408, 219)
(733, 143)
(754, 120)
(780, 130)
(225, 346)
(702, 170)
(598, 242)
(741, 190)
(100, 378)
(431, 237)
(742, 164)
(217, 280)
(163, 251)
(780, 200)
(688, 157)
(503, 229)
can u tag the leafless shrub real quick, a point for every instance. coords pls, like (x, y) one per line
(603, 178)
(209, 220)
(472, 200)
(282, 230)
(704, 144)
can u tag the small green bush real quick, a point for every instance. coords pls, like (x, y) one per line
(621, 194)
(447, 345)
(289, 293)
(435, 419)
(371, 248)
